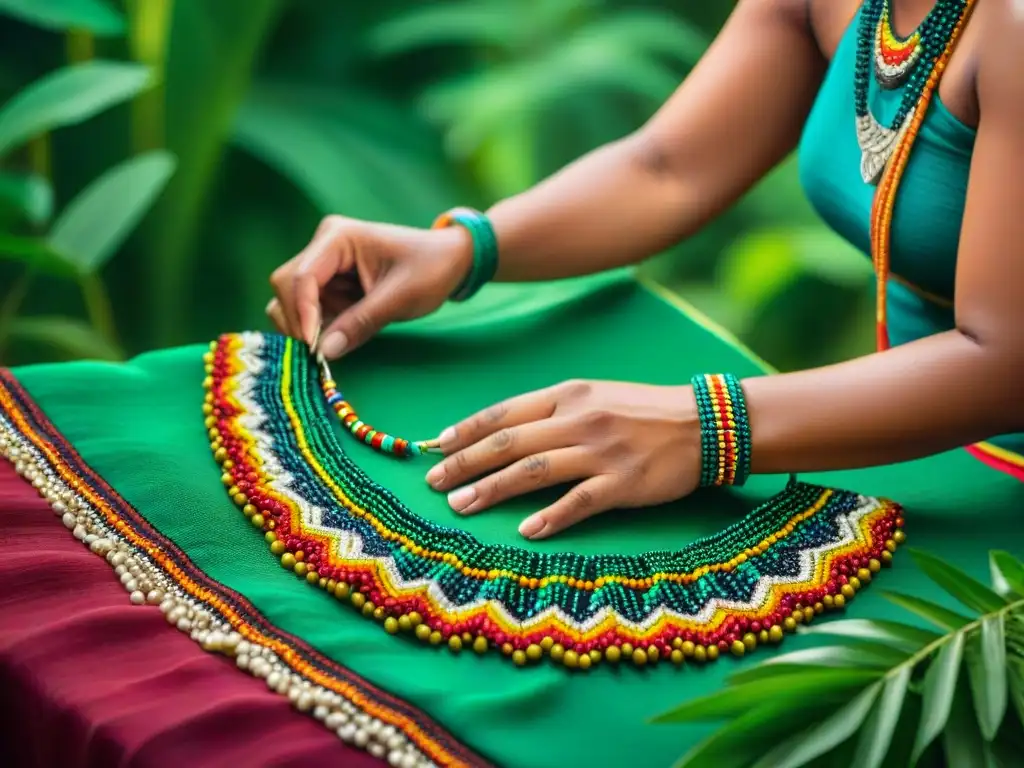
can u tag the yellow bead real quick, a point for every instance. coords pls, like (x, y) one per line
(899, 537)
(712, 652)
(219, 455)
(415, 618)
(699, 654)
(585, 661)
(676, 656)
(627, 649)
(278, 548)
(738, 648)
(380, 613)
(653, 654)
(467, 637)
(557, 652)
(677, 642)
(249, 510)
(507, 648)
(887, 558)
(789, 624)
(750, 641)
(391, 625)
(404, 623)
(595, 656)
(819, 608)
(864, 575)
(775, 634)
(436, 638)
(613, 654)
(518, 658)
(422, 632)
(358, 599)
(288, 561)
(687, 648)
(546, 644)
(808, 615)
(890, 547)
(839, 601)
(341, 591)
(455, 643)
(639, 657)
(571, 659)
(300, 568)
(257, 521)
(762, 636)
(534, 652)
(312, 577)
(827, 601)
(855, 582)
(240, 498)
(848, 592)
(874, 566)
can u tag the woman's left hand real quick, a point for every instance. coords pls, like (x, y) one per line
(624, 445)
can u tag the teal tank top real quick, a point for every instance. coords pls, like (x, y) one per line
(929, 202)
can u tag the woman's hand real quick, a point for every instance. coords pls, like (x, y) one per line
(355, 277)
(624, 445)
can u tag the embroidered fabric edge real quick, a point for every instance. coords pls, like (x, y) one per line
(158, 575)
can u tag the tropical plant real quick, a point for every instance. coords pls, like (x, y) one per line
(958, 686)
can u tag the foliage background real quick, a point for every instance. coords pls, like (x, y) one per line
(253, 118)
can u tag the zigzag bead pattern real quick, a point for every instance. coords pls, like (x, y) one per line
(807, 550)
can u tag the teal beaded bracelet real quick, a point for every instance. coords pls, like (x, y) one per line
(724, 429)
(485, 249)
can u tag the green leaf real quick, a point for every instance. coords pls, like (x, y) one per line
(30, 195)
(1007, 570)
(887, 632)
(68, 335)
(961, 740)
(939, 687)
(735, 700)
(926, 609)
(741, 742)
(95, 224)
(858, 655)
(876, 735)
(469, 23)
(964, 588)
(986, 667)
(95, 16)
(36, 253)
(824, 737)
(68, 96)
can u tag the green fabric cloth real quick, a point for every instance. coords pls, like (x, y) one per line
(929, 204)
(140, 426)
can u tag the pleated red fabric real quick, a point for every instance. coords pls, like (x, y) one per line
(87, 679)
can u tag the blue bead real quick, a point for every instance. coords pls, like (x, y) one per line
(387, 443)
(335, 398)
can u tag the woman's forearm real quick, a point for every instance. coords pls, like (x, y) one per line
(610, 208)
(922, 398)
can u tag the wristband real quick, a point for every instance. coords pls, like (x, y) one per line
(485, 248)
(724, 429)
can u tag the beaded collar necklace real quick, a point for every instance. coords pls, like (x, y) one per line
(805, 551)
(916, 62)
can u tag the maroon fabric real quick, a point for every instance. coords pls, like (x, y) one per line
(86, 679)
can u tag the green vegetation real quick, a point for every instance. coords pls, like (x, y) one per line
(158, 158)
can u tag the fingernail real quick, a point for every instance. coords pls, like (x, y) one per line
(333, 344)
(270, 305)
(447, 436)
(531, 526)
(462, 498)
(436, 474)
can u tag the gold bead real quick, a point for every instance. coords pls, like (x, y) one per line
(547, 643)
(712, 652)
(890, 547)
(404, 624)
(687, 648)
(358, 599)
(808, 615)
(534, 652)
(775, 634)
(595, 656)
(391, 625)
(507, 648)
(840, 601)
(368, 608)
(571, 659)
(798, 616)
(585, 661)
(613, 654)
(455, 643)
(699, 654)
(855, 583)
(676, 656)
(219, 455)
(819, 608)
(312, 576)
(467, 637)
(341, 591)
(827, 601)
(422, 632)
(480, 644)
(288, 561)
(762, 636)
(627, 649)
(249, 510)
(899, 537)
(278, 548)
(415, 618)
(557, 652)
(738, 648)
(257, 521)
(789, 624)
(436, 637)
(518, 658)
(639, 657)
(886, 558)
(240, 498)
(677, 642)
(652, 653)
(864, 575)
(848, 592)
(300, 568)
(874, 566)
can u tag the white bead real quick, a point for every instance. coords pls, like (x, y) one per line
(375, 749)
(137, 598)
(362, 738)
(305, 702)
(184, 625)
(396, 741)
(242, 662)
(347, 733)
(395, 758)
(409, 761)
(154, 597)
(320, 712)
(79, 532)
(242, 647)
(335, 720)
(69, 521)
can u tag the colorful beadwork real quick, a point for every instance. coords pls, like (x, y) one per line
(895, 57)
(379, 441)
(944, 25)
(158, 576)
(485, 248)
(804, 551)
(725, 429)
(936, 36)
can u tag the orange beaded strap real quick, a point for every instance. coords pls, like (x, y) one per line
(885, 196)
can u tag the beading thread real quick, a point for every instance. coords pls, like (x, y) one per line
(724, 429)
(485, 248)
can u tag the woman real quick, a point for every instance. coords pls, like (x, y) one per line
(954, 308)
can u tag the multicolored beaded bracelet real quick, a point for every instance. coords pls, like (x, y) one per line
(725, 429)
(485, 248)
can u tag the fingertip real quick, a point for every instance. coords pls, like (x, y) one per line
(533, 527)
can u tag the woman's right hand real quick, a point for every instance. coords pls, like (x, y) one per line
(355, 277)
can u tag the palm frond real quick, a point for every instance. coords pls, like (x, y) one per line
(961, 688)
